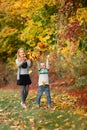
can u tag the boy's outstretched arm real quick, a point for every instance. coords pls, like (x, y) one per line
(47, 62)
(38, 64)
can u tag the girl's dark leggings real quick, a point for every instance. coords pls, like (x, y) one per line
(24, 92)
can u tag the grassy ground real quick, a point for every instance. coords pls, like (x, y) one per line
(65, 115)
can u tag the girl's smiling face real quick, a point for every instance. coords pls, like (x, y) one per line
(21, 53)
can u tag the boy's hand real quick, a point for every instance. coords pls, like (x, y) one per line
(38, 59)
(48, 56)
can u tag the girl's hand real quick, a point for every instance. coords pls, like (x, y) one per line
(25, 58)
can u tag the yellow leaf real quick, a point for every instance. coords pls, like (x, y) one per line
(73, 125)
(79, 111)
(56, 125)
(30, 71)
(67, 124)
(43, 128)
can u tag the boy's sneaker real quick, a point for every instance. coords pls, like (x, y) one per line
(37, 106)
(23, 105)
(49, 106)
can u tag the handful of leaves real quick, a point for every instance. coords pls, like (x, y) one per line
(43, 83)
(34, 55)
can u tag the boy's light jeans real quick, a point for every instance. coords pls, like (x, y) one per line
(42, 89)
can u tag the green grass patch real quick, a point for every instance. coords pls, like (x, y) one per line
(14, 117)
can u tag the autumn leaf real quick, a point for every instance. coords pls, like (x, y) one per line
(16, 122)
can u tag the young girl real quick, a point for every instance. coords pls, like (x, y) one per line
(43, 82)
(23, 78)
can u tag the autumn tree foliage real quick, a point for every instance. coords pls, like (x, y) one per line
(55, 27)
(27, 23)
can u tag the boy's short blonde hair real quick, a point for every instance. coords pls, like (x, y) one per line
(42, 64)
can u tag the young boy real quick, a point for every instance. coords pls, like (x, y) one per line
(43, 82)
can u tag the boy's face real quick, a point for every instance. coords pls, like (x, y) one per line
(43, 66)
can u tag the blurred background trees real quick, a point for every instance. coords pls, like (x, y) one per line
(55, 27)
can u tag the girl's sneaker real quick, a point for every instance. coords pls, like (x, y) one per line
(23, 105)
(49, 107)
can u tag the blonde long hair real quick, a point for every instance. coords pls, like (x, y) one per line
(18, 57)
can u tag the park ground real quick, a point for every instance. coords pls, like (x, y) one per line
(69, 110)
